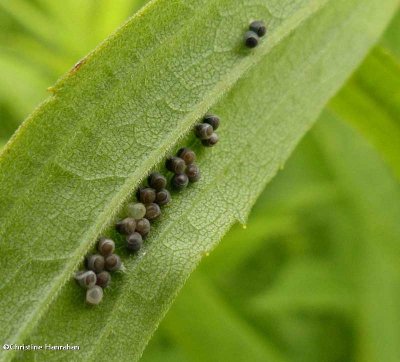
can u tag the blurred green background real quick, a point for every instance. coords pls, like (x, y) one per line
(315, 273)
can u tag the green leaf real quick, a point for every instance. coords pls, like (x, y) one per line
(391, 39)
(308, 285)
(372, 212)
(29, 62)
(77, 159)
(371, 103)
(211, 325)
(19, 85)
(256, 232)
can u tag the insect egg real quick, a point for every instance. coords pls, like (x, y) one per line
(134, 242)
(103, 279)
(126, 226)
(94, 295)
(211, 141)
(258, 27)
(146, 195)
(113, 262)
(152, 211)
(175, 164)
(143, 227)
(163, 197)
(187, 155)
(136, 210)
(179, 182)
(86, 278)
(251, 39)
(157, 181)
(204, 131)
(212, 120)
(105, 246)
(95, 262)
(193, 173)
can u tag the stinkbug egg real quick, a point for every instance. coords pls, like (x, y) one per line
(258, 27)
(203, 131)
(179, 182)
(193, 173)
(251, 39)
(143, 227)
(94, 295)
(157, 181)
(212, 141)
(126, 226)
(134, 242)
(112, 262)
(146, 195)
(136, 210)
(86, 278)
(187, 155)
(95, 262)
(105, 246)
(212, 120)
(175, 164)
(152, 211)
(163, 197)
(103, 279)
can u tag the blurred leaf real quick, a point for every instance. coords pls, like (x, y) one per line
(19, 86)
(112, 119)
(374, 208)
(306, 285)
(162, 353)
(371, 103)
(7, 126)
(208, 330)
(391, 39)
(30, 17)
(240, 243)
(42, 39)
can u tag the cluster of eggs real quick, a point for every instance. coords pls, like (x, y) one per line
(136, 224)
(97, 276)
(205, 130)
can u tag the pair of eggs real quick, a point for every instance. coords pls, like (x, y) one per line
(257, 29)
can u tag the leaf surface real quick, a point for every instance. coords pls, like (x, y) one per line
(77, 159)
